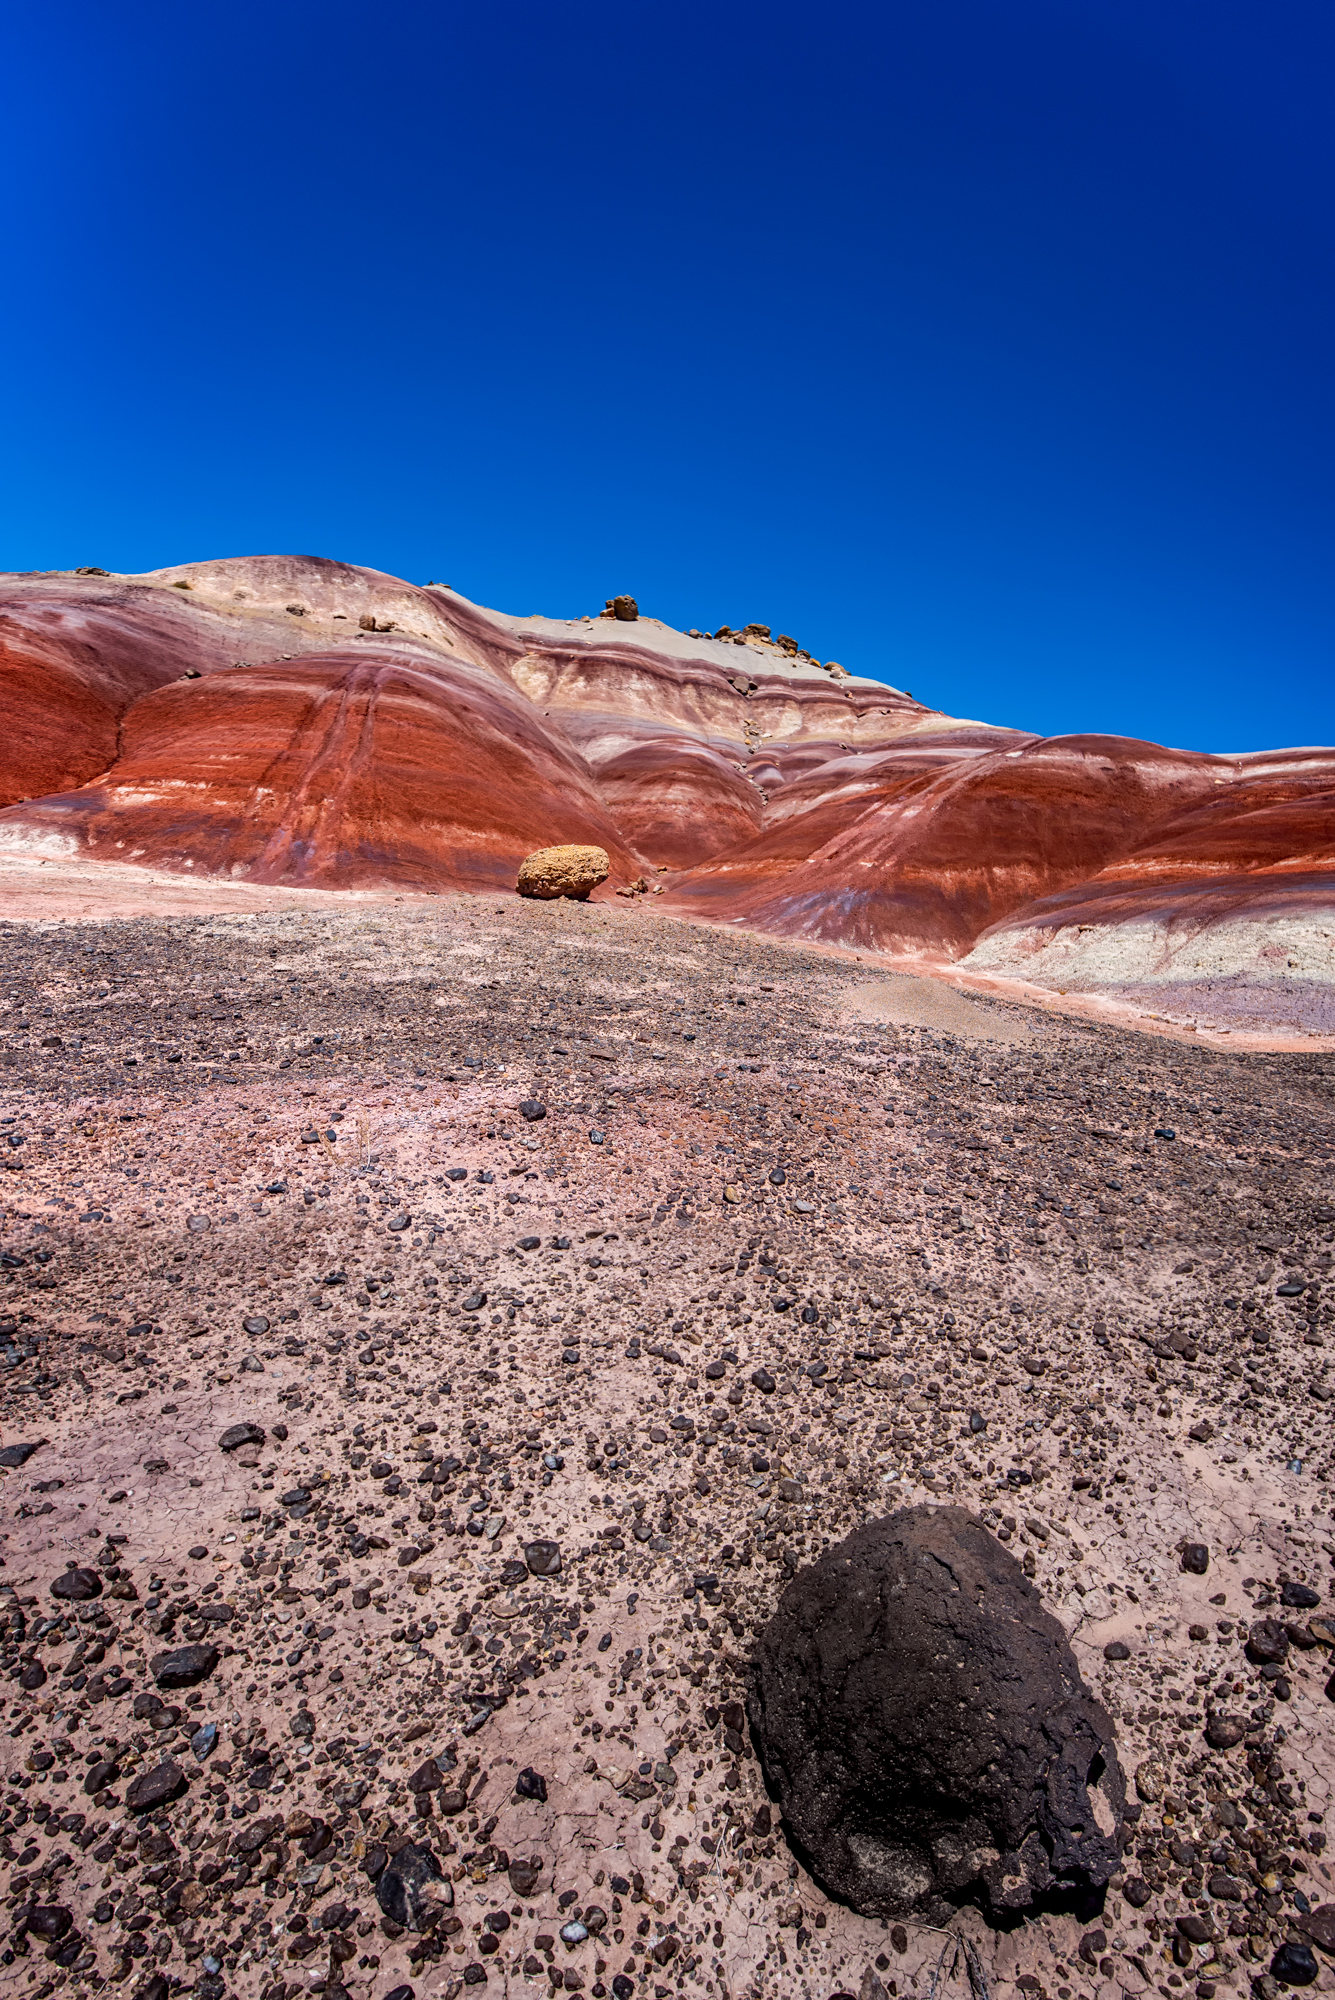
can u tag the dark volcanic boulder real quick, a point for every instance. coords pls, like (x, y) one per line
(923, 1722)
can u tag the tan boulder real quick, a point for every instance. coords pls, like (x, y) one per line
(563, 871)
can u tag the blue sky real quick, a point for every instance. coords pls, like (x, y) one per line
(984, 347)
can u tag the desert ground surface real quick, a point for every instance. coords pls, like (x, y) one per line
(546, 1410)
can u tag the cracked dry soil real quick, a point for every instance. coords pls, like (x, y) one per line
(546, 1410)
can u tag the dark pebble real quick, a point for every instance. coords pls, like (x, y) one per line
(238, 1434)
(50, 1920)
(184, 1666)
(14, 1455)
(77, 1585)
(156, 1788)
(1295, 1963)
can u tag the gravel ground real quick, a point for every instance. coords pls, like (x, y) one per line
(777, 1257)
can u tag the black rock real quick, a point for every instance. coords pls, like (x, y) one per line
(255, 1323)
(411, 1888)
(1295, 1963)
(50, 1920)
(1319, 1925)
(156, 1988)
(543, 1558)
(33, 1676)
(524, 1876)
(100, 1775)
(1195, 1558)
(1117, 1649)
(1267, 1643)
(764, 1381)
(474, 1302)
(400, 1993)
(239, 1434)
(532, 1109)
(184, 1666)
(1300, 1597)
(14, 1455)
(76, 1586)
(923, 1723)
(531, 1784)
(529, 1242)
(156, 1788)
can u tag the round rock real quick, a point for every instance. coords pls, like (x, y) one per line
(563, 871)
(49, 1920)
(922, 1721)
(543, 1558)
(76, 1586)
(1267, 1643)
(1295, 1964)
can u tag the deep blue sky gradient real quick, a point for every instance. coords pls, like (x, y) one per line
(985, 345)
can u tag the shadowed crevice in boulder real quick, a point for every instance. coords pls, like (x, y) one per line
(924, 1727)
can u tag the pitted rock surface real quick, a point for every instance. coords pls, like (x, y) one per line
(924, 1724)
(563, 871)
